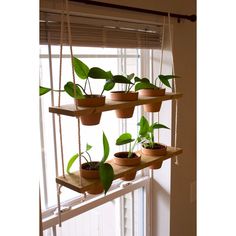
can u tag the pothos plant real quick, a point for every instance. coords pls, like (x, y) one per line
(84, 73)
(145, 83)
(106, 171)
(145, 136)
(146, 132)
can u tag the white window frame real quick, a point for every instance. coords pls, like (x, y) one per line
(78, 205)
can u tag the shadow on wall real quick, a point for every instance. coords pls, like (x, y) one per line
(161, 206)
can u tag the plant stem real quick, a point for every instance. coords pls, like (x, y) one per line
(102, 91)
(82, 89)
(132, 149)
(152, 139)
(90, 87)
(89, 156)
(130, 87)
(85, 158)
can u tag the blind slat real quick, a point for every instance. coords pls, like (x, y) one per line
(90, 33)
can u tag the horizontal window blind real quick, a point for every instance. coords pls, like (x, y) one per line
(97, 32)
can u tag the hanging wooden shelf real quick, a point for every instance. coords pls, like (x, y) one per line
(72, 181)
(70, 109)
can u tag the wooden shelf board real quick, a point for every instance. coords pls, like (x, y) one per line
(72, 181)
(70, 109)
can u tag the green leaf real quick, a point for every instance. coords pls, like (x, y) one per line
(121, 79)
(109, 85)
(124, 139)
(106, 148)
(159, 126)
(137, 79)
(168, 76)
(165, 82)
(145, 80)
(69, 88)
(43, 90)
(143, 85)
(130, 77)
(144, 126)
(88, 147)
(71, 161)
(98, 73)
(106, 175)
(81, 69)
(165, 79)
(109, 74)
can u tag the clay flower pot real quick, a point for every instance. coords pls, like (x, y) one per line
(158, 150)
(154, 107)
(121, 159)
(123, 96)
(88, 173)
(91, 101)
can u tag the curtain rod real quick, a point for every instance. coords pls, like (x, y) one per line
(192, 18)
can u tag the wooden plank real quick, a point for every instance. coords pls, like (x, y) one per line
(70, 109)
(72, 181)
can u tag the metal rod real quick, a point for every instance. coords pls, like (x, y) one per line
(192, 18)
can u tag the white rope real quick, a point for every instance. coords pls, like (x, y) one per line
(160, 72)
(54, 125)
(59, 97)
(174, 90)
(73, 73)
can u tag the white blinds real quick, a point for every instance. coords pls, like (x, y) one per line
(97, 32)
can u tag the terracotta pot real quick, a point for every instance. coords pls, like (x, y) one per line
(154, 107)
(125, 161)
(92, 174)
(123, 96)
(91, 101)
(155, 152)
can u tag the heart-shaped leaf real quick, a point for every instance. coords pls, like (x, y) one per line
(168, 76)
(98, 73)
(144, 85)
(165, 82)
(109, 85)
(71, 161)
(69, 88)
(106, 175)
(43, 90)
(88, 147)
(144, 126)
(130, 77)
(106, 148)
(159, 126)
(121, 79)
(124, 139)
(81, 69)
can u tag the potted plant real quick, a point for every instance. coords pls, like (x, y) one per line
(149, 146)
(126, 95)
(128, 158)
(147, 89)
(83, 95)
(94, 169)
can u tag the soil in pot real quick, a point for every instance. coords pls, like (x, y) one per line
(154, 107)
(157, 150)
(91, 171)
(123, 96)
(121, 159)
(91, 101)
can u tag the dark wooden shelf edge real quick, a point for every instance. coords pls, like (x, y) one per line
(65, 181)
(70, 109)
